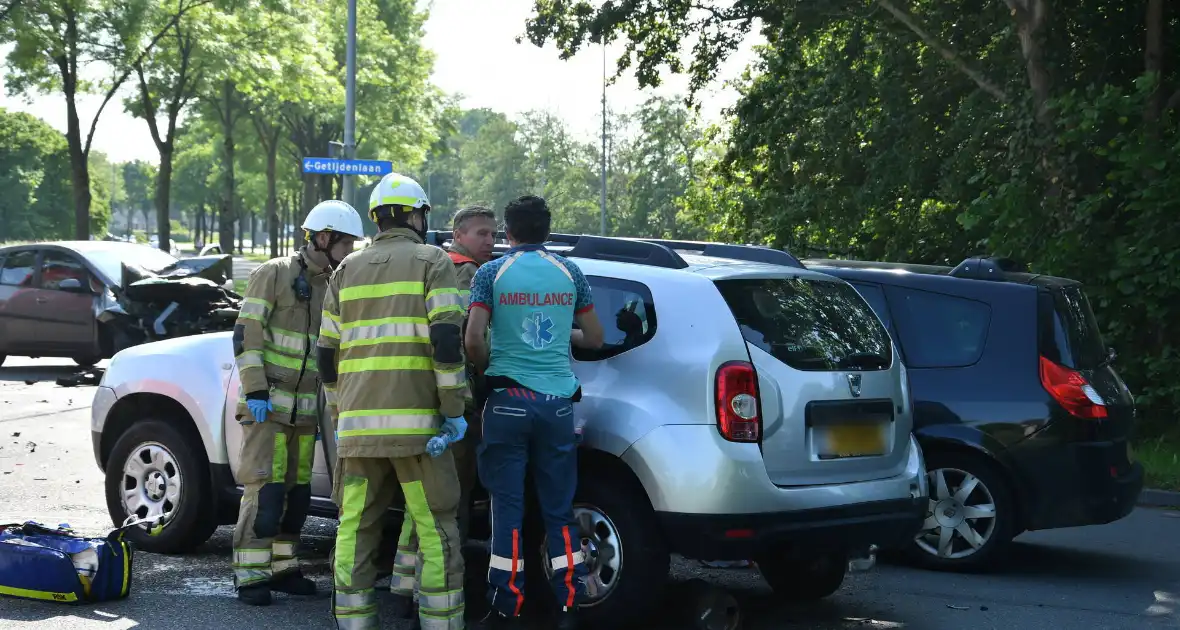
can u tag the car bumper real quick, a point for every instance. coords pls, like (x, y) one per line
(1089, 483)
(104, 400)
(850, 529)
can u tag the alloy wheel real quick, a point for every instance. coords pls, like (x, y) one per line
(151, 482)
(961, 518)
(604, 553)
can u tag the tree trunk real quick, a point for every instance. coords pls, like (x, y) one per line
(1153, 57)
(272, 198)
(79, 169)
(309, 202)
(164, 198)
(229, 190)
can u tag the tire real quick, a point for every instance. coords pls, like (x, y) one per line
(86, 361)
(803, 579)
(613, 509)
(993, 534)
(164, 454)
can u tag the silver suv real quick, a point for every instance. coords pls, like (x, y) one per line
(741, 407)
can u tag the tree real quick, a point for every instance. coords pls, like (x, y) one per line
(138, 179)
(168, 78)
(34, 175)
(494, 164)
(55, 39)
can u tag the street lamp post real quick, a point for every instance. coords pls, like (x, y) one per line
(602, 194)
(350, 101)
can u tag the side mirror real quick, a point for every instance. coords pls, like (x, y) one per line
(72, 285)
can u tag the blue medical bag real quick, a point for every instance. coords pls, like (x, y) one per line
(56, 564)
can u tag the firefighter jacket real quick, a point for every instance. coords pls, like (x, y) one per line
(391, 324)
(465, 268)
(275, 339)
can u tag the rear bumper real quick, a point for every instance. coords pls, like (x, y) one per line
(1088, 483)
(851, 528)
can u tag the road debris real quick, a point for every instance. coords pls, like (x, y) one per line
(89, 376)
(16, 434)
(32, 446)
(954, 607)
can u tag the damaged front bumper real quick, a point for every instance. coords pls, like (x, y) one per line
(188, 298)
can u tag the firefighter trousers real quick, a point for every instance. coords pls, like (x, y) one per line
(367, 490)
(523, 428)
(405, 561)
(275, 468)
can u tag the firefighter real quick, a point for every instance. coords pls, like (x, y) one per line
(531, 298)
(473, 237)
(393, 315)
(274, 339)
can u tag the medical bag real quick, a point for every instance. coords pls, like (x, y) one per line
(56, 564)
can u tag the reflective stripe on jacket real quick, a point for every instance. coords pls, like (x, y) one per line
(382, 305)
(279, 338)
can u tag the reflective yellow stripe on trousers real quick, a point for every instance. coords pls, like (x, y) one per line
(439, 608)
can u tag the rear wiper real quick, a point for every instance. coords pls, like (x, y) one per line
(872, 360)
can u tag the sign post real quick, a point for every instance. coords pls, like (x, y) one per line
(350, 102)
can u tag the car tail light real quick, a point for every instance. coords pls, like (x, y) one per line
(739, 417)
(1071, 390)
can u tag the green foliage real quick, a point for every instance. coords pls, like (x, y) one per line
(35, 178)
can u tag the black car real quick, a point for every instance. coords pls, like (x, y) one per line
(1024, 422)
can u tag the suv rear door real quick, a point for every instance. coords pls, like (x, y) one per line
(831, 389)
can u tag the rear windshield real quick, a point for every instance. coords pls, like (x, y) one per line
(1070, 334)
(808, 324)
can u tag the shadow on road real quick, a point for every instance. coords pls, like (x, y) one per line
(29, 374)
(1051, 562)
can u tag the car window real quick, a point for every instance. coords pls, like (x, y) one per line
(1076, 340)
(627, 313)
(808, 323)
(937, 330)
(876, 298)
(57, 266)
(18, 269)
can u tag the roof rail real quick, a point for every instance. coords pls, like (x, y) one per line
(750, 253)
(597, 248)
(985, 268)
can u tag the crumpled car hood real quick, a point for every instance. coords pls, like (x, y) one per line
(216, 269)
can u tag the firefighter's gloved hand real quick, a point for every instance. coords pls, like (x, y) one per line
(438, 444)
(455, 427)
(258, 409)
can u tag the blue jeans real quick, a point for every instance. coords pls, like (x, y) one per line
(523, 428)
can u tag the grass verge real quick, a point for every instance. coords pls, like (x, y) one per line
(1161, 462)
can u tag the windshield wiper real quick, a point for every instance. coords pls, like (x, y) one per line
(863, 360)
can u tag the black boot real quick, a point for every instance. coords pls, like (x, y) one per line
(255, 594)
(496, 621)
(293, 583)
(566, 619)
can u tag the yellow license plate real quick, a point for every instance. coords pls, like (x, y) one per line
(852, 440)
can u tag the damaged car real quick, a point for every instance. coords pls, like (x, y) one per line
(87, 300)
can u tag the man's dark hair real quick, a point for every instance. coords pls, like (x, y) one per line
(527, 219)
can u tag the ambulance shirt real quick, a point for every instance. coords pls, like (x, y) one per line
(532, 296)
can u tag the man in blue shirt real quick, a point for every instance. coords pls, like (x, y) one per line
(531, 299)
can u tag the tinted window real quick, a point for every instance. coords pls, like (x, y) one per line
(627, 313)
(809, 324)
(56, 266)
(939, 330)
(1076, 340)
(876, 299)
(18, 269)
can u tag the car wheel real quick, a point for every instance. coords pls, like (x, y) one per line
(971, 516)
(154, 471)
(86, 361)
(625, 554)
(803, 579)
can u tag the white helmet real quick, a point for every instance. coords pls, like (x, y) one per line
(334, 216)
(398, 190)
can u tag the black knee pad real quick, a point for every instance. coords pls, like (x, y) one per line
(298, 503)
(270, 510)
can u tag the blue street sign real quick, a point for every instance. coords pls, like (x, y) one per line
(333, 166)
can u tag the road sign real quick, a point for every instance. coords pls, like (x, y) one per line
(333, 166)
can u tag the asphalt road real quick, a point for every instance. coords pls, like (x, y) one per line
(1123, 575)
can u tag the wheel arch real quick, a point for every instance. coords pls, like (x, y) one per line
(129, 410)
(950, 445)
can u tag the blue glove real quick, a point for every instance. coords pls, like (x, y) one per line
(438, 444)
(455, 427)
(258, 409)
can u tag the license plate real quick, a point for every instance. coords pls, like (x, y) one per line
(851, 440)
